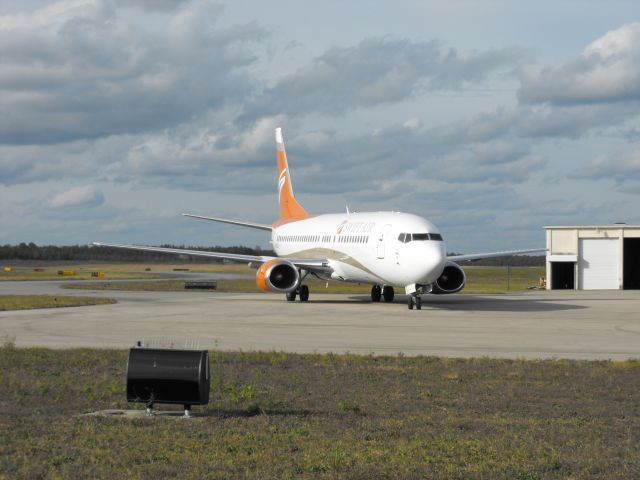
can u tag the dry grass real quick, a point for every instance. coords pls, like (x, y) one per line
(28, 302)
(278, 415)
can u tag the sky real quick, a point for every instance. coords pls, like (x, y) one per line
(491, 119)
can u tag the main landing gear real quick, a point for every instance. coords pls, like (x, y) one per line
(414, 300)
(378, 293)
(302, 290)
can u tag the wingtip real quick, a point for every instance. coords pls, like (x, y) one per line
(279, 135)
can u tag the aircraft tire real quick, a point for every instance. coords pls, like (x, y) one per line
(388, 293)
(376, 293)
(410, 302)
(304, 293)
(418, 303)
(291, 296)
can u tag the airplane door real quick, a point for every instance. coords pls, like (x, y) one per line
(381, 240)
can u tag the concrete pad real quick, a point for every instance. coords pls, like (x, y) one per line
(141, 414)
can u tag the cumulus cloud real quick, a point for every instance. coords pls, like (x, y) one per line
(374, 72)
(78, 69)
(321, 161)
(622, 167)
(571, 121)
(204, 159)
(85, 196)
(608, 70)
(21, 164)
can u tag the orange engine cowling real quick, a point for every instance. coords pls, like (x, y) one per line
(278, 275)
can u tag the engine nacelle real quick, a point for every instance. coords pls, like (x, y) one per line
(278, 275)
(452, 280)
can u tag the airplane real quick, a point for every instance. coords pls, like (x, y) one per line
(383, 249)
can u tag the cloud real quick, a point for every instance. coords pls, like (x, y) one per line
(40, 163)
(608, 70)
(376, 71)
(152, 5)
(571, 121)
(86, 196)
(622, 167)
(367, 164)
(80, 70)
(223, 159)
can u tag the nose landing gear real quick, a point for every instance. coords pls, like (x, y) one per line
(416, 300)
(388, 293)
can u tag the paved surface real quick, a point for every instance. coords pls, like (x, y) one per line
(583, 325)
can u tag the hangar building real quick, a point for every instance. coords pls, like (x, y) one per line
(605, 257)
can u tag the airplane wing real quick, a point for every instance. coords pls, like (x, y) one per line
(311, 264)
(259, 226)
(197, 253)
(318, 265)
(478, 256)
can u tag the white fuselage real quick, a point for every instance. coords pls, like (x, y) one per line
(366, 247)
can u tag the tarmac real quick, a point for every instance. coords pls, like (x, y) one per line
(531, 325)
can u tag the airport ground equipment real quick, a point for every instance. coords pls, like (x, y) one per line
(165, 375)
(200, 285)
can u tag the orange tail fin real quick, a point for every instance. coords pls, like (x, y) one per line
(289, 207)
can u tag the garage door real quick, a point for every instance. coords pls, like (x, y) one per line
(599, 263)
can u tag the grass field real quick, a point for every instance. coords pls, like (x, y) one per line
(277, 415)
(27, 302)
(479, 280)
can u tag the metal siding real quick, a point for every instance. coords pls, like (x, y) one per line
(599, 265)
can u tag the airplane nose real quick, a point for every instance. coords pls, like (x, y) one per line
(433, 262)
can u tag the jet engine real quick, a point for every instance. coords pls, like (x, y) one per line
(452, 280)
(278, 275)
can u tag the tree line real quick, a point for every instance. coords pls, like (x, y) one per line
(84, 253)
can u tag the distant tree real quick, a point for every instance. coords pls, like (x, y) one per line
(85, 253)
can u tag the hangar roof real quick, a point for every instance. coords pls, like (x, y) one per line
(617, 226)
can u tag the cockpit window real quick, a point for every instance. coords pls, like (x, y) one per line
(417, 237)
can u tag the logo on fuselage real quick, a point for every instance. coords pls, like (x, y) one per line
(355, 227)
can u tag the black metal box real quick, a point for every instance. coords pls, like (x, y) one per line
(158, 375)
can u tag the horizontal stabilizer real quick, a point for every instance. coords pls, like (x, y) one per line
(259, 226)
